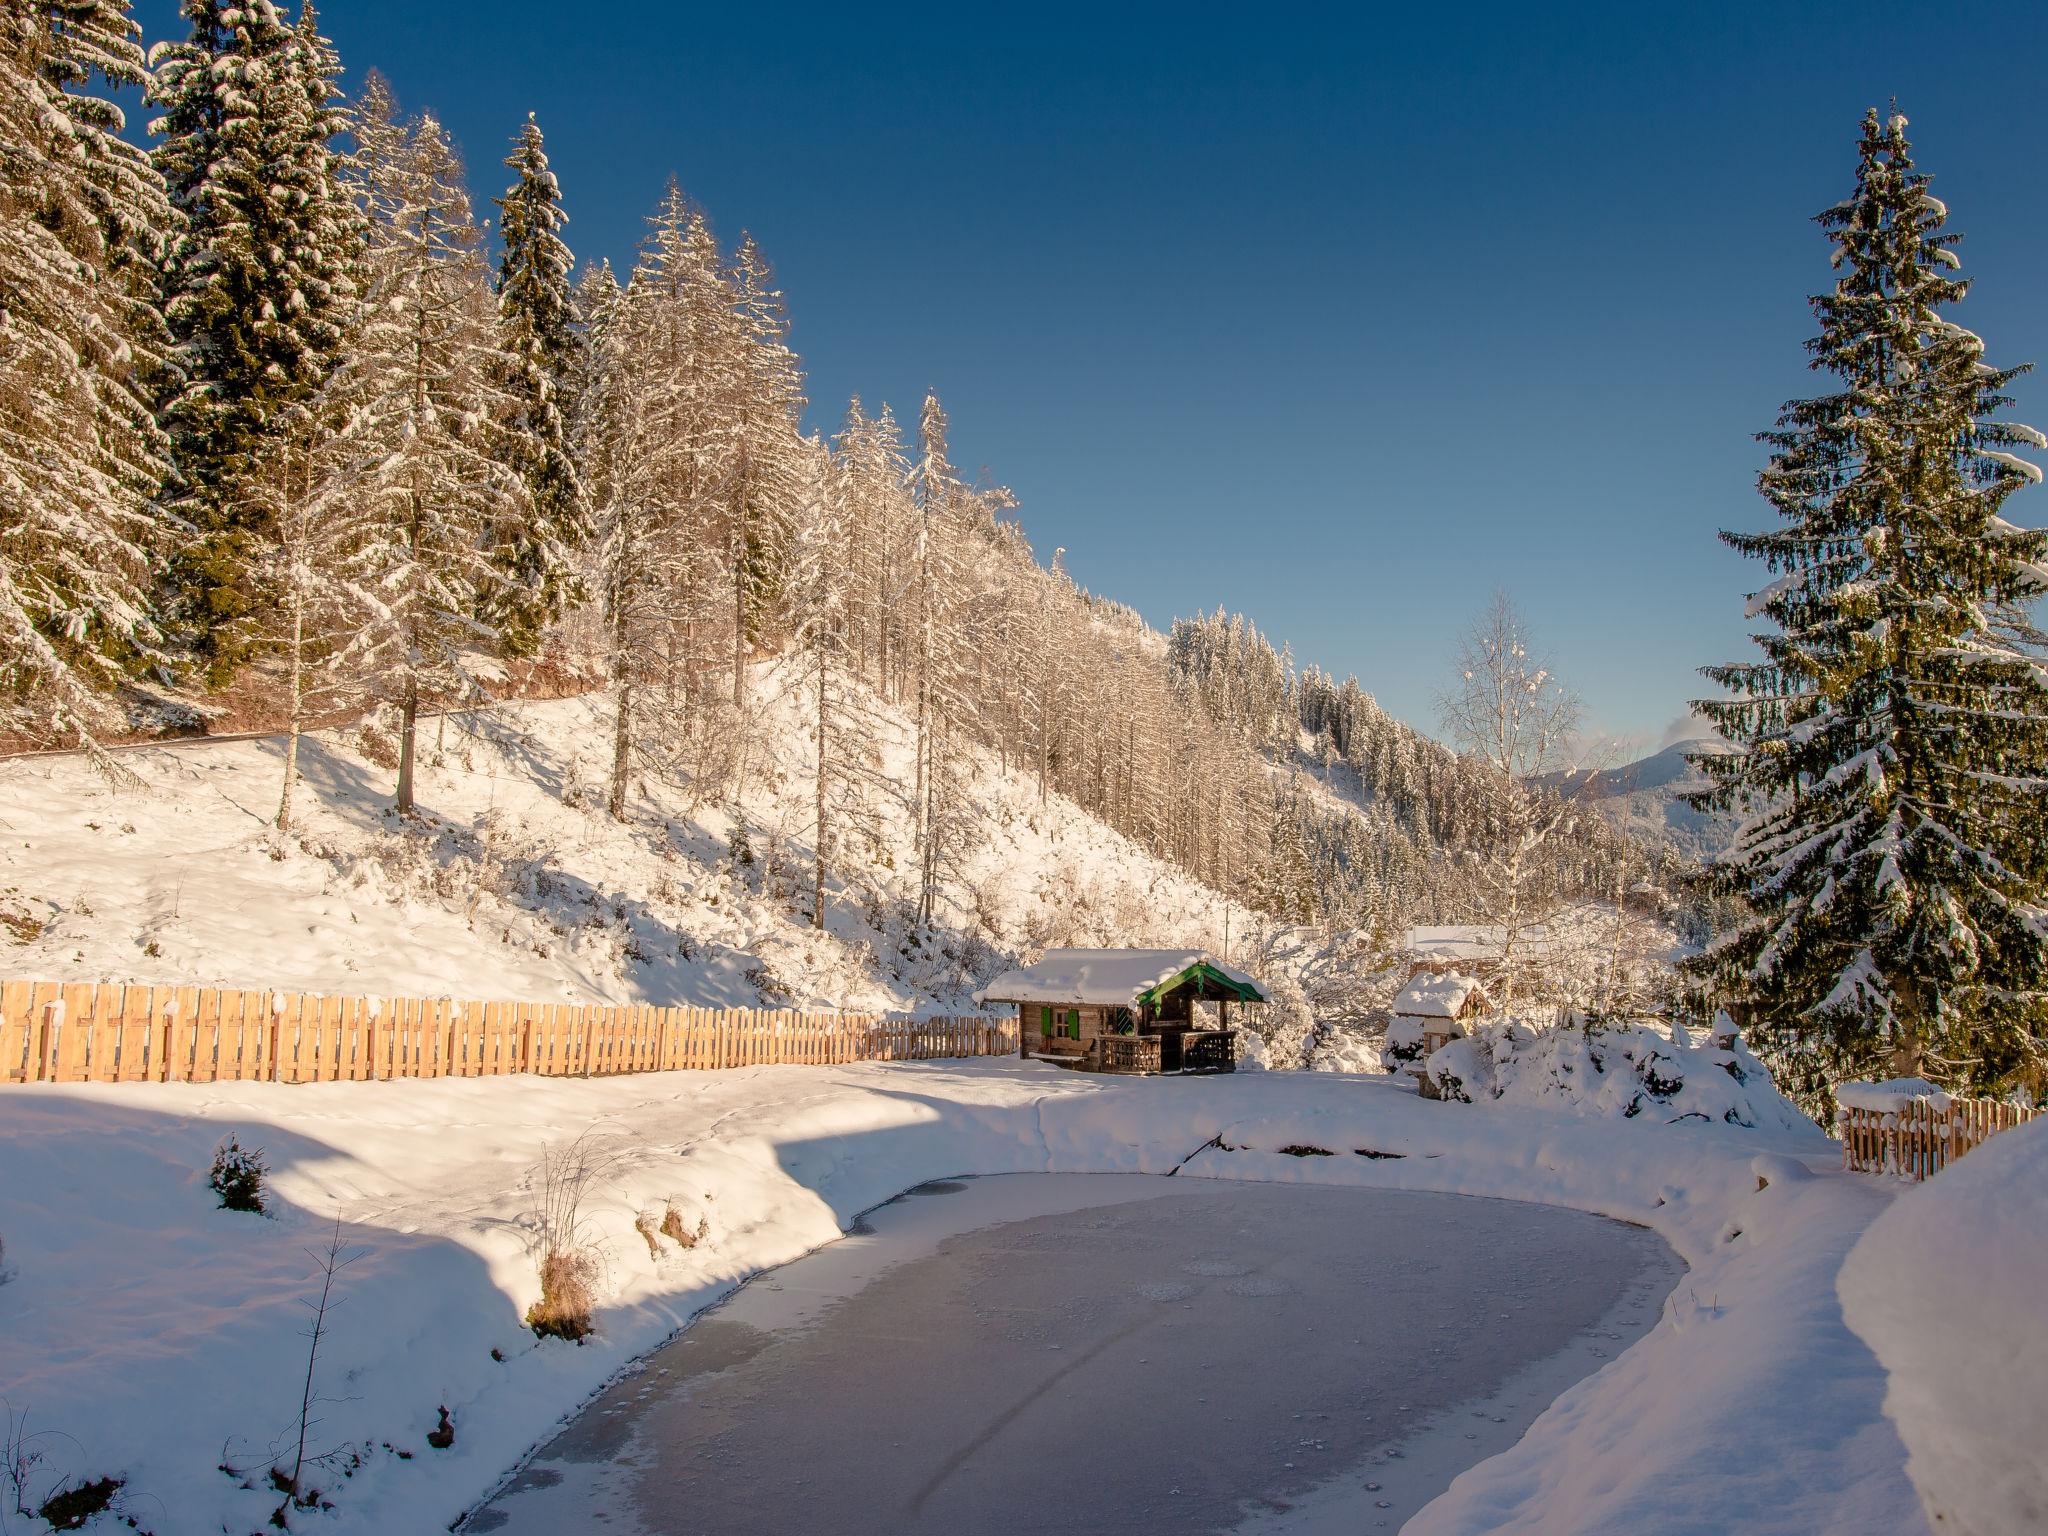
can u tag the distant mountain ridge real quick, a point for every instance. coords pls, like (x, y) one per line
(1646, 798)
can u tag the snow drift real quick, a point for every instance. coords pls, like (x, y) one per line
(1946, 1288)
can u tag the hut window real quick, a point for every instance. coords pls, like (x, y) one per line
(1120, 1021)
(1045, 1022)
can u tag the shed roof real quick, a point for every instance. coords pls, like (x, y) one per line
(1438, 997)
(1113, 977)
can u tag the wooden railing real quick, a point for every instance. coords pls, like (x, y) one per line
(1127, 1053)
(1918, 1140)
(110, 1033)
(1209, 1050)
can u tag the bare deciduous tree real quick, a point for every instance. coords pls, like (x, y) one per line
(1509, 710)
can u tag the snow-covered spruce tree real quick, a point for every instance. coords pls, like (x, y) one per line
(941, 711)
(770, 460)
(81, 216)
(255, 283)
(1893, 742)
(420, 449)
(651, 424)
(537, 310)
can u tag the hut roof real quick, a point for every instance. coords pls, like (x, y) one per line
(1114, 977)
(1438, 997)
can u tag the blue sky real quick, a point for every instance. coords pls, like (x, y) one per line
(1337, 317)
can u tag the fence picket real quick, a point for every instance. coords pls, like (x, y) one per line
(109, 1032)
(1918, 1140)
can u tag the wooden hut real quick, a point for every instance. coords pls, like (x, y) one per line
(1126, 1010)
(1432, 1011)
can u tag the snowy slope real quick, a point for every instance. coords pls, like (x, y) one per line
(513, 882)
(157, 1336)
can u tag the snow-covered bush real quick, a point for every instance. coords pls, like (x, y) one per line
(1623, 1071)
(1945, 1288)
(1284, 1027)
(237, 1176)
(1404, 1045)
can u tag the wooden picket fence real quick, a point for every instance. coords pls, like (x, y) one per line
(1918, 1141)
(110, 1033)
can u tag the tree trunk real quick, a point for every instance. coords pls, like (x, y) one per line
(296, 716)
(622, 746)
(408, 726)
(818, 847)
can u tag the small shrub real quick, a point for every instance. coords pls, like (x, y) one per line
(672, 1227)
(237, 1176)
(567, 1308)
(70, 1508)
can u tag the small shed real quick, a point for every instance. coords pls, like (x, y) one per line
(1431, 1012)
(1126, 1010)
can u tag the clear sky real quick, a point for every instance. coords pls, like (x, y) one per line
(1339, 317)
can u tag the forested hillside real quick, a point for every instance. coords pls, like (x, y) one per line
(294, 437)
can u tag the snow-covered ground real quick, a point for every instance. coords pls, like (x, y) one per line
(158, 1337)
(1948, 1287)
(514, 883)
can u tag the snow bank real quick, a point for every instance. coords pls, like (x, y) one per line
(1614, 1071)
(161, 1334)
(1890, 1096)
(1947, 1289)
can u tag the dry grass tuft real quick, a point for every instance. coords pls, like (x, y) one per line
(644, 1224)
(673, 1228)
(567, 1308)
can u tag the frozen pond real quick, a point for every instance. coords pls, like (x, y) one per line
(1066, 1353)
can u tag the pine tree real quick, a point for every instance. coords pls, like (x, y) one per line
(770, 458)
(820, 582)
(936, 492)
(420, 449)
(537, 311)
(255, 284)
(1894, 739)
(652, 430)
(82, 215)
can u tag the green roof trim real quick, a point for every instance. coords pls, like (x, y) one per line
(1205, 972)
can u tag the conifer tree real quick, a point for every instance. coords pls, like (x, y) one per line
(82, 215)
(255, 283)
(537, 310)
(770, 458)
(1893, 741)
(420, 445)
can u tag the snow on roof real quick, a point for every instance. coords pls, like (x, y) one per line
(1438, 997)
(1114, 977)
(1891, 1095)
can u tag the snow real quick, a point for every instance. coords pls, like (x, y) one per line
(514, 883)
(1110, 977)
(1891, 1095)
(1624, 1072)
(1946, 1289)
(1438, 997)
(161, 1335)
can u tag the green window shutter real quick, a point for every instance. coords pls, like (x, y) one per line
(1074, 1023)
(1045, 1021)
